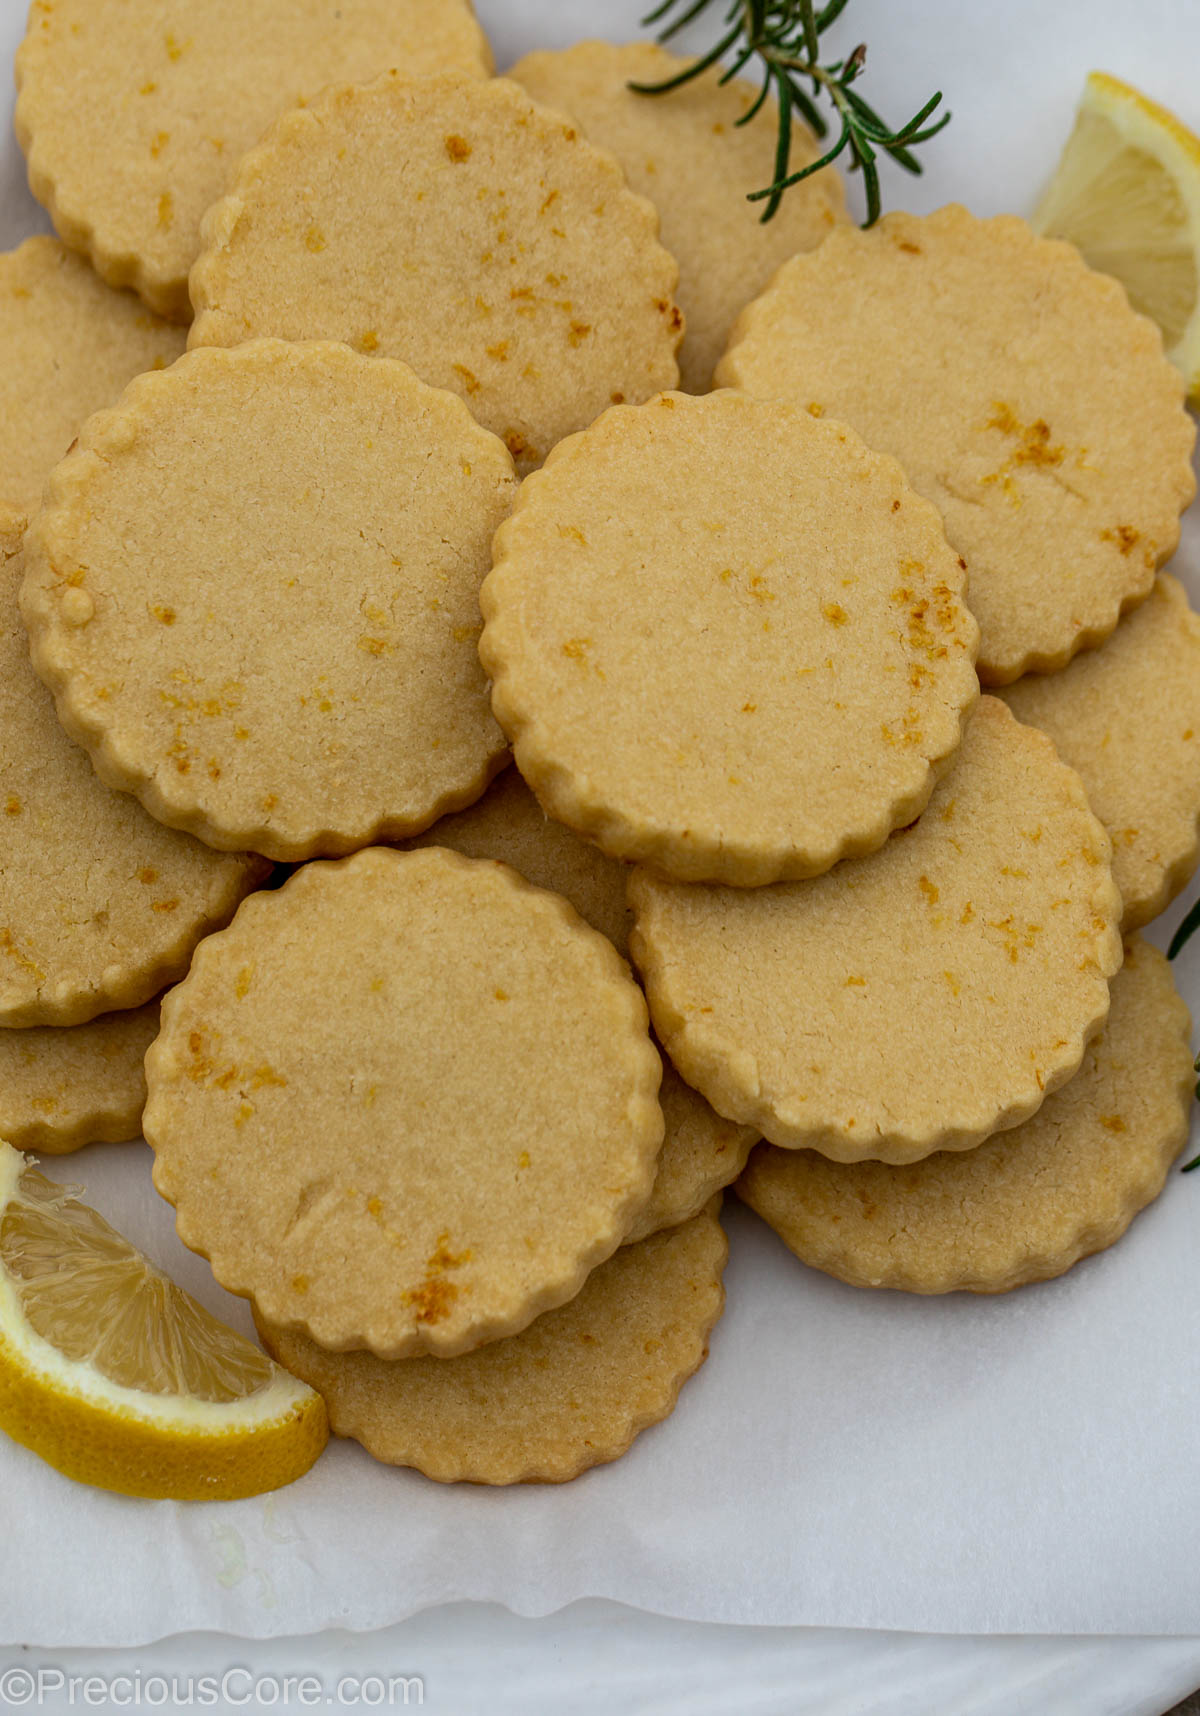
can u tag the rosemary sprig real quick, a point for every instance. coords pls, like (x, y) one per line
(1185, 932)
(785, 35)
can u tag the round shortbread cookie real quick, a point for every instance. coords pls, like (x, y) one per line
(1021, 394)
(508, 823)
(133, 116)
(62, 1087)
(443, 1147)
(734, 666)
(571, 1391)
(70, 344)
(701, 1152)
(100, 906)
(459, 226)
(915, 1000)
(1127, 717)
(1024, 1206)
(690, 153)
(254, 592)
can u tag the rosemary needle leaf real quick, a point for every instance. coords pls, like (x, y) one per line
(756, 105)
(690, 71)
(803, 172)
(786, 36)
(1186, 930)
(685, 17)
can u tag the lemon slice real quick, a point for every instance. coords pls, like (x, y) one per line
(118, 1377)
(1127, 193)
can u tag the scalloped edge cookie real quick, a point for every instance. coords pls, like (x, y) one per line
(71, 344)
(1126, 716)
(302, 802)
(701, 1151)
(1027, 1204)
(76, 218)
(200, 1118)
(535, 1408)
(68, 995)
(615, 339)
(62, 1087)
(1008, 444)
(693, 155)
(828, 1061)
(548, 692)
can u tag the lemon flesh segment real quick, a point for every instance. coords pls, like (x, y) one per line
(1126, 192)
(119, 1378)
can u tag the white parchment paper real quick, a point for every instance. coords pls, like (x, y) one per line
(1023, 1464)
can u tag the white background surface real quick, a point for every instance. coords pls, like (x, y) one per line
(844, 1459)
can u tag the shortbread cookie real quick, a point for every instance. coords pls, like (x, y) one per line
(61, 1087)
(100, 906)
(508, 823)
(1021, 394)
(133, 116)
(727, 639)
(1127, 717)
(571, 1392)
(1025, 1205)
(440, 1145)
(912, 1001)
(691, 154)
(462, 228)
(254, 592)
(69, 344)
(701, 1152)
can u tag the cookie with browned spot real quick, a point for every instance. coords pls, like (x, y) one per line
(1020, 392)
(439, 1141)
(461, 227)
(915, 1000)
(254, 592)
(733, 667)
(571, 1391)
(133, 117)
(694, 153)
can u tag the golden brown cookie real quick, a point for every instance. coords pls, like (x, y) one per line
(508, 823)
(700, 1152)
(734, 666)
(61, 1087)
(571, 1391)
(1127, 717)
(69, 346)
(1025, 1205)
(133, 117)
(1021, 394)
(440, 1142)
(459, 226)
(100, 906)
(254, 592)
(915, 1000)
(691, 154)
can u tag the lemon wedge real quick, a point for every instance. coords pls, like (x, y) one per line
(1127, 192)
(119, 1378)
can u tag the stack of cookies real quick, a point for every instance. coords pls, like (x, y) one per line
(418, 571)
